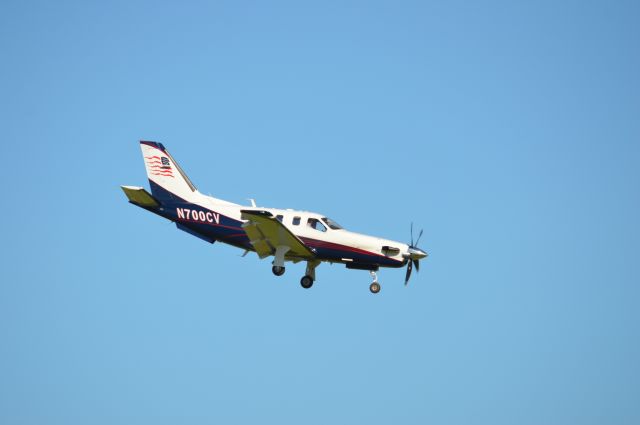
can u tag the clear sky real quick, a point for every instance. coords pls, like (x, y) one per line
(509, 131)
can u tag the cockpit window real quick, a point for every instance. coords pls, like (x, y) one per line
(316, 224)
(332, 224)
(296, 221)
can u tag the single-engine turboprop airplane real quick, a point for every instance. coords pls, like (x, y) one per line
(287, 235)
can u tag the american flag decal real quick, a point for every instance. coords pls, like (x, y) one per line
(159, 166)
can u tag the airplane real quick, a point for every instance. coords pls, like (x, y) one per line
(285, 234)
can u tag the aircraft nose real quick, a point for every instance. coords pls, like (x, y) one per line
(417, 253)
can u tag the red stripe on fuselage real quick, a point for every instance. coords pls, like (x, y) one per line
(338, 247)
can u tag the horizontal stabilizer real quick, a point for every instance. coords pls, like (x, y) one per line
(139, 196)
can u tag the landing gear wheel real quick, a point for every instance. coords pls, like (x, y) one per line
(277, 270)
(306, 282)
(374, 287)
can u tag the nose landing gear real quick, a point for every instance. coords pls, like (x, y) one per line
(375, 286)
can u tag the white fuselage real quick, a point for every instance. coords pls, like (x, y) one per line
(299, 223)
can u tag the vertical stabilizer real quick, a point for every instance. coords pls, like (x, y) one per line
(167, 180)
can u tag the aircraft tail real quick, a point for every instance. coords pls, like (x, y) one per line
(168, 181)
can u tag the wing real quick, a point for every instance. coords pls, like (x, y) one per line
(266, 233)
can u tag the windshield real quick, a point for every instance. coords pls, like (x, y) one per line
(332, 224)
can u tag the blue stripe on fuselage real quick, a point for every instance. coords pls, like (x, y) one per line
(336, 252)
(162, 194)
(204, 221)
(208, 222)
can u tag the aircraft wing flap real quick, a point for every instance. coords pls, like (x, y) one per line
(139, 196)
(267, 233)
(258, 241)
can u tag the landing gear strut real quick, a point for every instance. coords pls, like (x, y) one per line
(375, 286)
(278, 260)
(310, 274)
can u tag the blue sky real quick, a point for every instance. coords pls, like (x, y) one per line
(508, 131)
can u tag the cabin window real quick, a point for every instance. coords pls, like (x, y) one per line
(296, 221)
(316, 224)
(279, 218)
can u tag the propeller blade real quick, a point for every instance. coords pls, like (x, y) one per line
(409, 268)
(419, 236)
(411, 234)
(417, 264)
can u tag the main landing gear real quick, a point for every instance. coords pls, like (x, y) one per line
(375, 286)
(310, 274)
(278, 260)
(306, 282)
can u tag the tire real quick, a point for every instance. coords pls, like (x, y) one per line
(277, 270)
(306, 282)
(375, 287)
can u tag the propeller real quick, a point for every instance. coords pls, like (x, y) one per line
(414, 254)
(408, 275)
